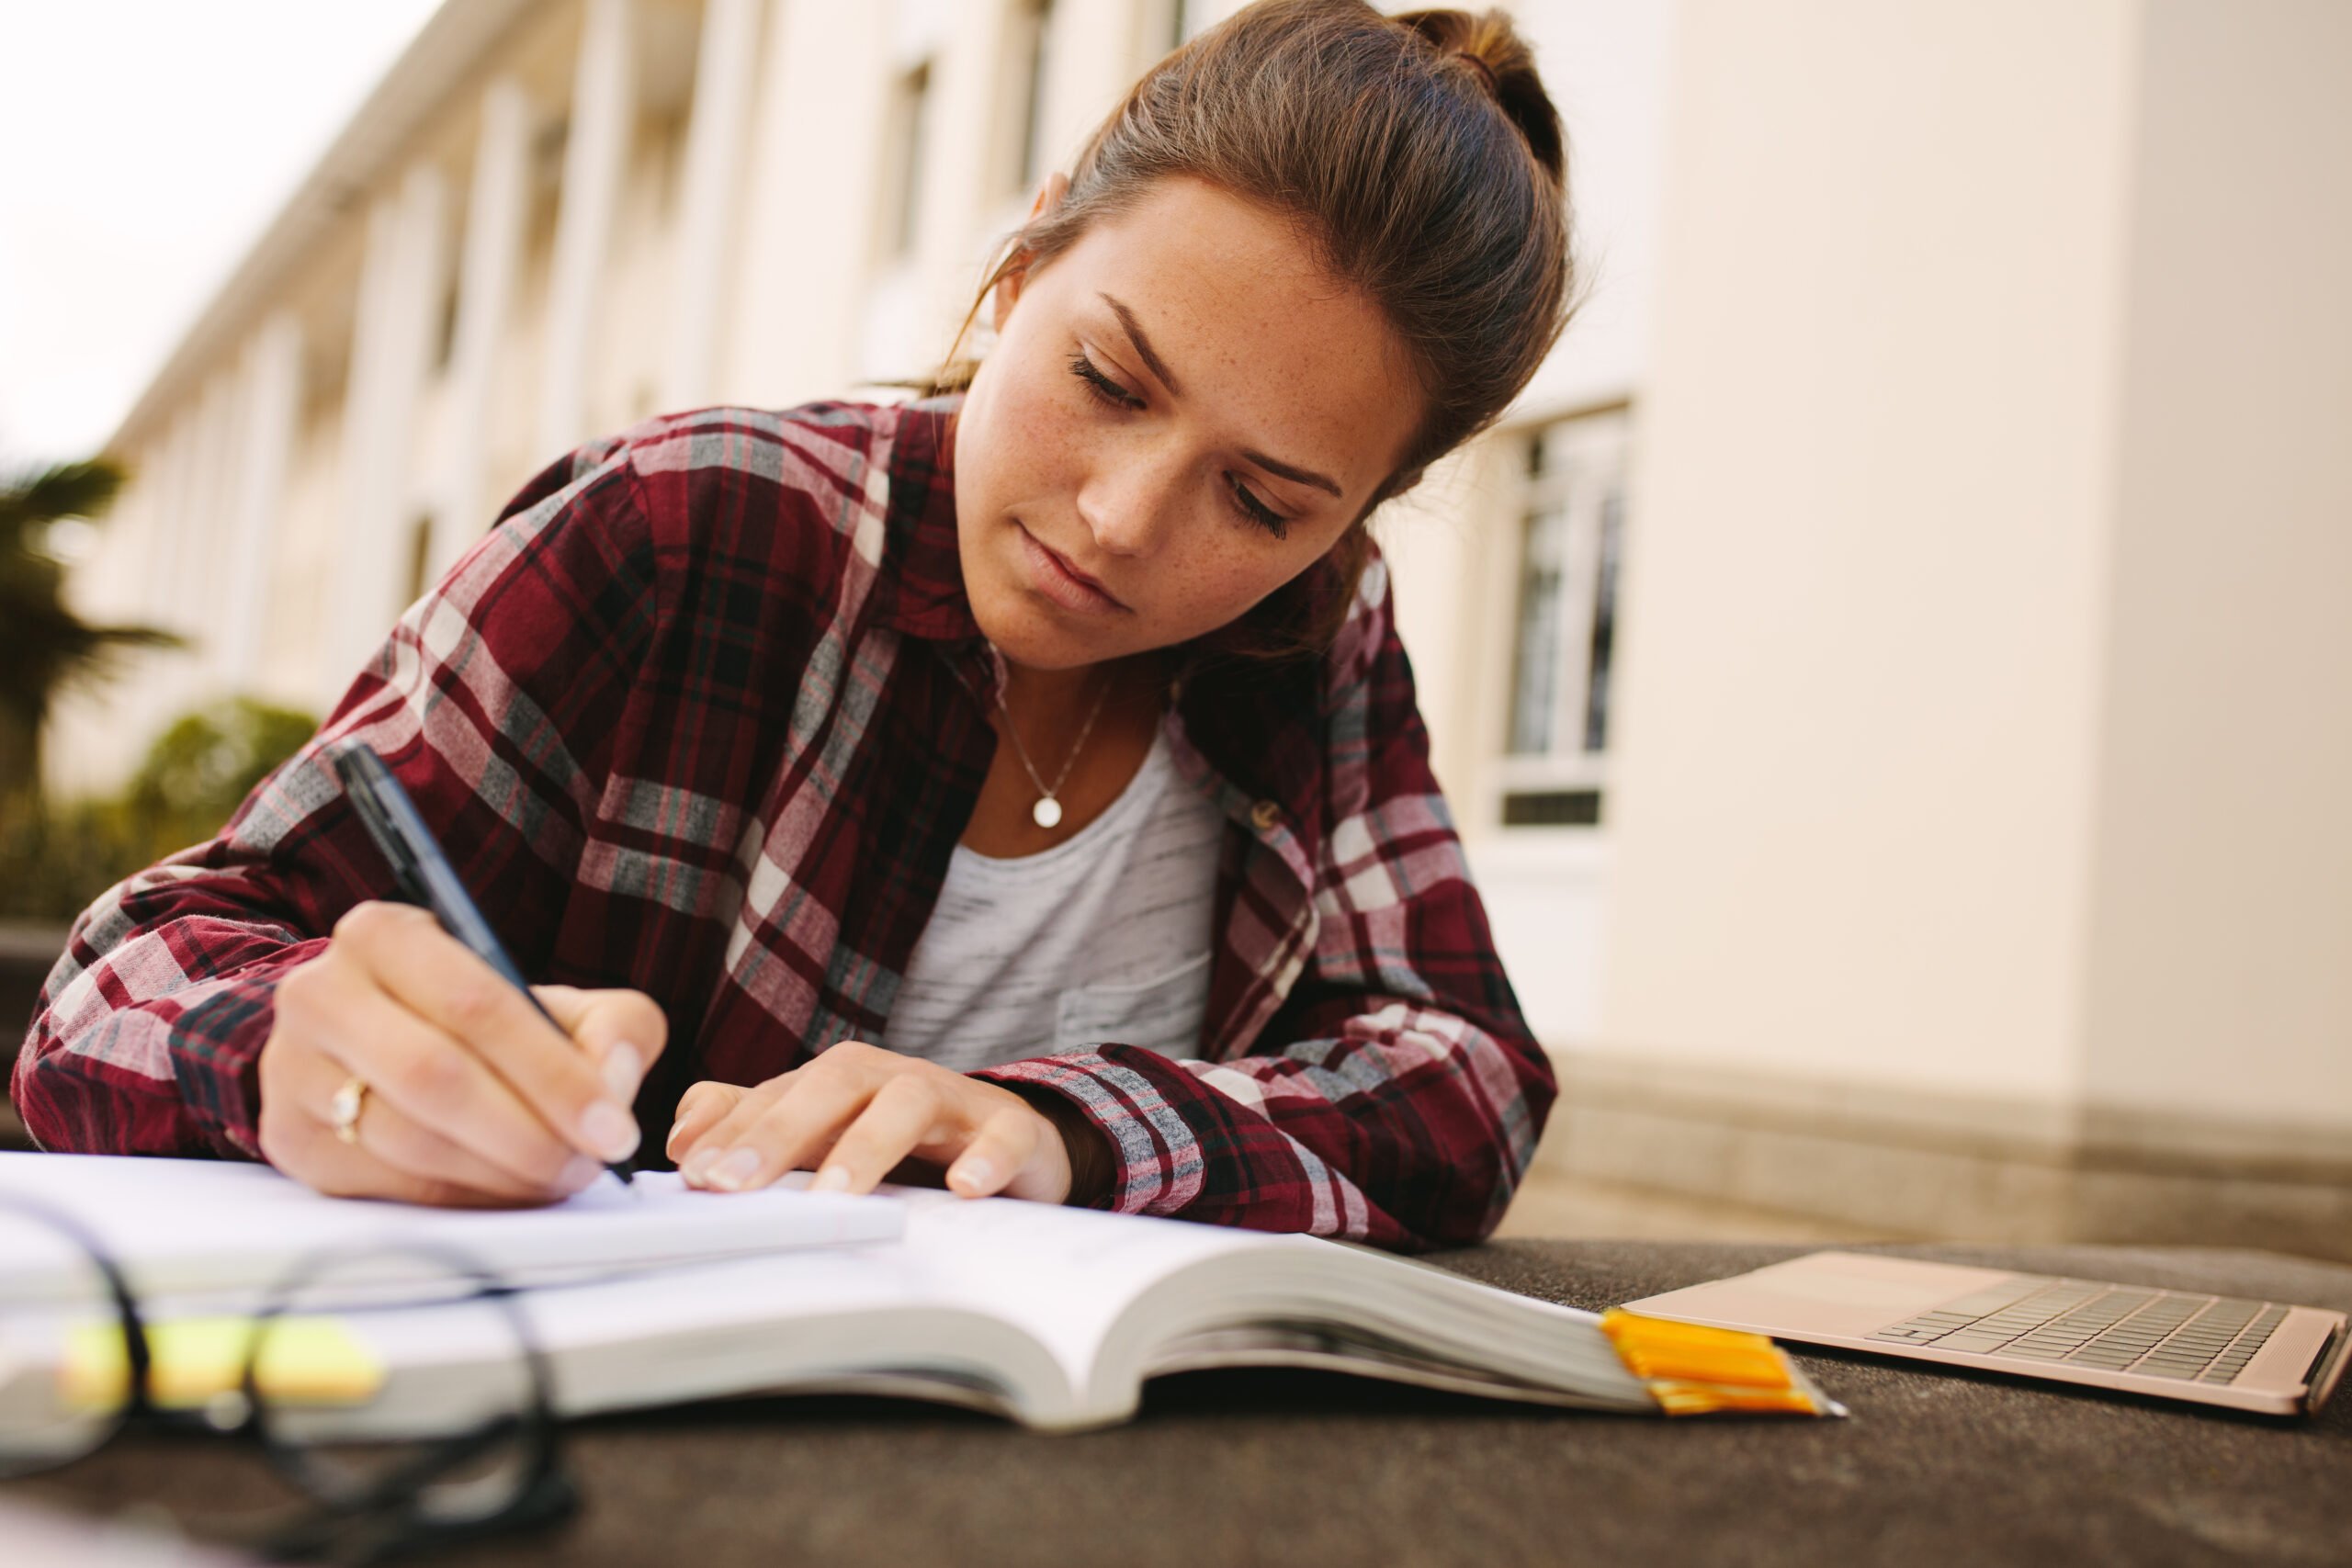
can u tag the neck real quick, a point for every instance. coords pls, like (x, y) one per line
(1050, 696)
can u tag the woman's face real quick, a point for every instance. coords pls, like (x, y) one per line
(1182, 412)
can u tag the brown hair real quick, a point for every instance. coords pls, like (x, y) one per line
(1424, 159)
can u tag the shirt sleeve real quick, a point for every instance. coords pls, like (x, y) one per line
(1398, 1095)
(492, 700)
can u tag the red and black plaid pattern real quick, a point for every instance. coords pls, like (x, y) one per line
(705, 716)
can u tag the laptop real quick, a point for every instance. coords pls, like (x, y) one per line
(2267, 1356)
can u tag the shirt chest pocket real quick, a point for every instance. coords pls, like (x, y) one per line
(1163, 1014)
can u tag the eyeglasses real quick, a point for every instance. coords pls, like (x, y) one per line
(391, 1463)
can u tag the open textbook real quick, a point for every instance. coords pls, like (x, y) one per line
(1055, 1317)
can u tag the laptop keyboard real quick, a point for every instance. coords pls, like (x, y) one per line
(2161, 1334)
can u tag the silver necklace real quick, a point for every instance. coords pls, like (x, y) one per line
(1047, 812)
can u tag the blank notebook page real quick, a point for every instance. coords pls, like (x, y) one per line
(179, 1228)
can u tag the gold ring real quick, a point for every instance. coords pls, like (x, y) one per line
(345, 1108)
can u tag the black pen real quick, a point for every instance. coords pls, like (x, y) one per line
(424, 874)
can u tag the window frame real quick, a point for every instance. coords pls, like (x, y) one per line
(1586, 468)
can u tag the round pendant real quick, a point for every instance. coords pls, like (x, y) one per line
(1046, 813)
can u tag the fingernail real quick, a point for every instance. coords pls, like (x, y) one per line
(624, 1065)
(736, 1169)
(697, 1170)
(832, 1178)
(577, 1173)
(974, 1173)
(609, 1130)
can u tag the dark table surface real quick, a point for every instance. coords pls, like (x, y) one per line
(1934, 1467)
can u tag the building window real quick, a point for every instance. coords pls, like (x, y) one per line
(1535, 647)
(910, 119)
(1570, 541)
(420, 559)
(1029, 52)
(445, 333)
(1179, 20)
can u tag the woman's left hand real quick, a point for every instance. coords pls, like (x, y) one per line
(856, 1111)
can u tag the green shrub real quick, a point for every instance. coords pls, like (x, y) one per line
(56, 858)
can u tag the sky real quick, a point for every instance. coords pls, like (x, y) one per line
(147, 144)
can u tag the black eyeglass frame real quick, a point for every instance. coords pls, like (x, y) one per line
(400, 1497)
(137, 1401)
(388, 1516)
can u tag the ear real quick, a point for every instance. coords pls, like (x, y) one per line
(1049, 195)
(1008, 287)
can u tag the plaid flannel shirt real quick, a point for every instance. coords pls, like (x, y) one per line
(705, 714)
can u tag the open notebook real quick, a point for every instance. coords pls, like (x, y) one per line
(1051, 1316)
(226, 1230)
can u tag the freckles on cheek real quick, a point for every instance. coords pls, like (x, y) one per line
(1220, 584)
(1039, 423)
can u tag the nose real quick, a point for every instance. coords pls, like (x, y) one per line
(1129, 498)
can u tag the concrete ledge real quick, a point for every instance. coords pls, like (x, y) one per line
(31, 945)
(1916, 1164)
(26, 955)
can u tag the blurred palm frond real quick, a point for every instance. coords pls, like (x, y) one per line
(44, 645)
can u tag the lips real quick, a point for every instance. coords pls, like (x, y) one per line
(1063, 561)
(1063, 583)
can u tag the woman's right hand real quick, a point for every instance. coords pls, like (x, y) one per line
(472, 1099)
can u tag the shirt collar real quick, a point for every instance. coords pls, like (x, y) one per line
(921, 589)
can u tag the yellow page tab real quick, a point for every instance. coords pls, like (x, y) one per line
(310, 1360)
(1692, 1371)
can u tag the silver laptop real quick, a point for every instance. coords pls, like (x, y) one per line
(2267, 1356)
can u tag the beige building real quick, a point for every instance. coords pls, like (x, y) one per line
(1943, 827)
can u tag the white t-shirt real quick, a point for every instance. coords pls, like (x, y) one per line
(1104, 937)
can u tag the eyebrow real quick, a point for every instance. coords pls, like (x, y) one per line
(1159, 368)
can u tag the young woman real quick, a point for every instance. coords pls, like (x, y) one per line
(1022, 785)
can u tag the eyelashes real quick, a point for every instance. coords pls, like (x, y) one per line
(1103, 387)
(1255, 510)
(1109, 393)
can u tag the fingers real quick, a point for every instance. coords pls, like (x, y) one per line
(473, 1095)
(431, 974)
(425, 1078)
(857, 1113)
(699, 1110)
(295, 1135)
(623, 1032)
(778, 1127)
(417, 1149)
(898, 1119)
(1006, 1141)
(347, 1028)
(342, 1171)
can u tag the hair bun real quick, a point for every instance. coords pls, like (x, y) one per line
(1490, 46)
